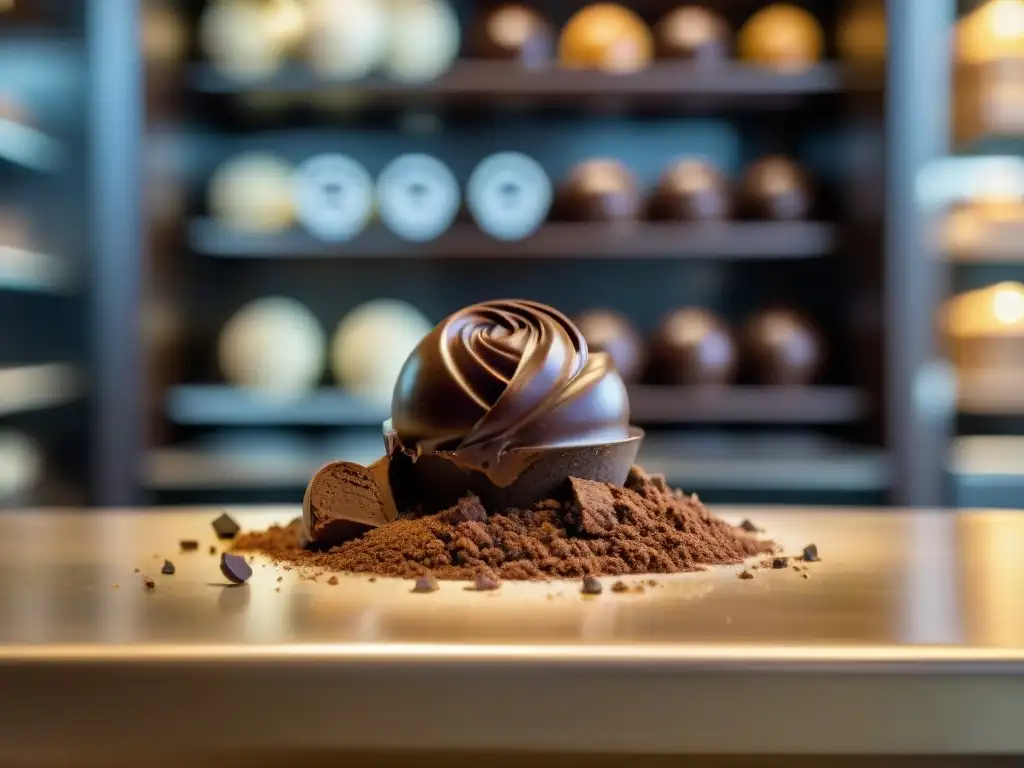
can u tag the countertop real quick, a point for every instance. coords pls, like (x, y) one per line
(908, 637)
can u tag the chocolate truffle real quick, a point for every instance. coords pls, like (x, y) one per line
(609, 332)
(503, 375)
(275, 345)
(248, 40)
(782, 347)
(692, 347)
(252, 192)
(513, 32)
(782, 37)
(424, 39)
(346, 40)
(693, 33)
(690, 190)
(607, 37)
(774, 188)
(599, 190)
(371, 344)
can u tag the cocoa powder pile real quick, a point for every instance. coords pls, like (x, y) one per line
(601, 529)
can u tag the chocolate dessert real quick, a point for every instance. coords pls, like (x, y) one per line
(508, 456)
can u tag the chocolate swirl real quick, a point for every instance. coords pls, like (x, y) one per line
(502, 375)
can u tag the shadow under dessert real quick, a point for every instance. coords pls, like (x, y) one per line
(509, 454)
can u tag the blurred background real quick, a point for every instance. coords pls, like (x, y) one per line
(798, 228)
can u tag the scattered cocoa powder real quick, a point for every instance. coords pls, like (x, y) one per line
(599, 530)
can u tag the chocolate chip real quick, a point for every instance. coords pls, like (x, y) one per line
(168, 568)
(373, 579)
(188, 545)
(213, 550)
(280, 578)
(225, 527)
(591, 586)
(810, 554)
(149, 583)
(619, 586)
(780, 562)
(234, 568)
(749, 527)
(746, 575)
(138, 570)
(485, 583)
(333, 581)
(426, 584)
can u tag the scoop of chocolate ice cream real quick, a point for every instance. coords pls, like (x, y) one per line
(502, 375)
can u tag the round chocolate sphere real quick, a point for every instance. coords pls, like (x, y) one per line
(782, 347)
(346, 40)
(609, 332)
(513, 33)
(774, 188)
(693, 33)
(693, 347)
(248, 40)
(690, 190)
(424, 39)
(607, 37)
(782, 37)
(599, 190)
(275, 345)
(371, 344)
(253, 193)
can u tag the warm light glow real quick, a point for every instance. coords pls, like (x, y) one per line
(1008, 304)
(1006, 19)
(994, 31)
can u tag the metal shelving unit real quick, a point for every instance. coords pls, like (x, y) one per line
(884, 429)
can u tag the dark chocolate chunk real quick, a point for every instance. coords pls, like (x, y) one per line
(234, 568)
(749, 527)
(485, 583)
(594, 507)
(345, 500)
(167, 569)
(426, 584)
(810, 554)
(188, 545)
(333, 581)
(780, 562)
(618, 586)
(148, 583)
(746, 575)
(592, 585)
(225, 527)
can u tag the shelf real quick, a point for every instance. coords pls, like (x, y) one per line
(27, 147)
(733, 240)
(491, 80)
(22, 270)
(231, 406)
(747, 405)
(34, 387)
(988, 471)
(703, 464)
(972, 238)
(990, 393)
(228, 406)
